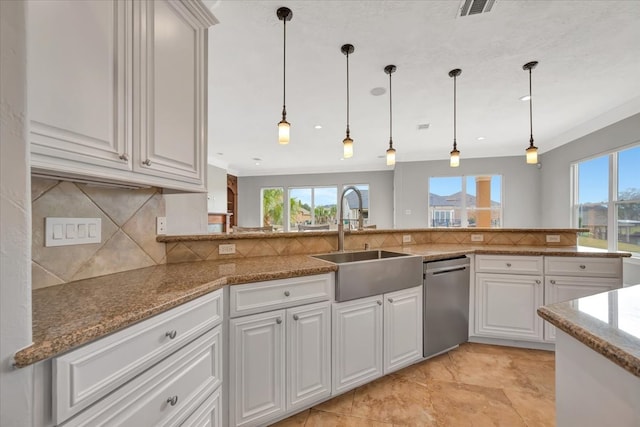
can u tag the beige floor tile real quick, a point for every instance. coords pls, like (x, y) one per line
(338, 405)
(471, 405)
(541, 373)
(327, 419)
(298, 420)
(514, 352)
(536, 409)
(394, 400)
(438, 368)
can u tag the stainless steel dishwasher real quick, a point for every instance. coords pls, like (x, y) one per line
(446, 304)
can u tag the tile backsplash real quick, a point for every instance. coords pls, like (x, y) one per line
(128, 230)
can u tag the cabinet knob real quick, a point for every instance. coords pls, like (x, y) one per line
(538, 282)
(287, 293)
(553, 282)
(582, 266)
(278, 320)
(295, 317)
(172, 400)
(147, 162)
(508, 264)
(379, 302)
(124, 157)
(390, 300)
(171, 334)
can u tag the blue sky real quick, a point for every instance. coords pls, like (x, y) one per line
(593, 175)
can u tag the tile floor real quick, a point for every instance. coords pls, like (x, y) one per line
(474, 385)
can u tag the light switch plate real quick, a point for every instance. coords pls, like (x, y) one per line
(72, 231)
(406, 238)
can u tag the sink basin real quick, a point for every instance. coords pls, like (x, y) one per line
(366, 273)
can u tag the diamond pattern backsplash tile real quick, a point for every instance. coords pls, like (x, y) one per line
(128, 230)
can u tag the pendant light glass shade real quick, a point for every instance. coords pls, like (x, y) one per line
(454, 160)
(284, 14)
(532, 150)
(391, 152)
(347, 142)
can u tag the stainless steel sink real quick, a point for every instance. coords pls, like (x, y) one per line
(367, 273)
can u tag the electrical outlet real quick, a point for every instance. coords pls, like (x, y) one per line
(553, 238)
(477, 238)
(72, 231)
(406, 238)
(161, 225)
(227, 249)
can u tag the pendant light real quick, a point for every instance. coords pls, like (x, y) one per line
(347, 143)
(455, 154)
(284, 14)
(391, 152)
(532, 150)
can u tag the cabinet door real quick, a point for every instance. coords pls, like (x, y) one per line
(559, 288)
(357, 342)
(308, 354)
(506, 306)
(169, 103)
(402, 328)
(209, 414)
(256, 366)
(78, 74)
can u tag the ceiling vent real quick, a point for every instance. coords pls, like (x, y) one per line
(474, 7)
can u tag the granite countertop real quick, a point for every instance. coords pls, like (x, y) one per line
(608, 322)
(66, 316)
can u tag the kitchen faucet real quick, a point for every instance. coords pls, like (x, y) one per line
(341, 219)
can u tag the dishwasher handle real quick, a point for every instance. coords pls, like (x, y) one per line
(449, 270)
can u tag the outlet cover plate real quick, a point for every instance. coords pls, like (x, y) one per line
(477, 238)
(553, 238)
(227, 249)
(72, 231)
(406, 238)
(161, 225)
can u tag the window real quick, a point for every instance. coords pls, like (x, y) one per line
(606, 200)
(272, 207)
(312, 208)
(465, 201)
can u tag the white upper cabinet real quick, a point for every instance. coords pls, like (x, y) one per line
(117, 91)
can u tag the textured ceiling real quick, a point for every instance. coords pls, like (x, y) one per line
(587, 77)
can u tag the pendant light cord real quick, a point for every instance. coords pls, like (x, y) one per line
(454, 113)
(284, 72)
(347, 54)
(390, 115)
(530, 111)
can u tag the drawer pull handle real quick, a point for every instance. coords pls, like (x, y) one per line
(278, 320)
(390, 300)
(147, 162)
(287, 293)
(537, 282)
(124, 157)
(508, 264)
(171, 334)
(553, 282)
(379, 302)
(582, 266)
(295, 317)
(172, 400)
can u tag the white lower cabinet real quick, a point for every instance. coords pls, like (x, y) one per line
(375, 336)
(506, 305)
(279, 361)
(209, 414)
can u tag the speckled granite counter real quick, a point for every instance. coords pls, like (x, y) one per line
(609, 323)
(68, 315)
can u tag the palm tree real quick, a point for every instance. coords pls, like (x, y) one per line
(272, 206)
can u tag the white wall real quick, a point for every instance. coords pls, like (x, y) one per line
(556, 178)
(380, 193)
(16, 386)
(521, 190)
(216, 189)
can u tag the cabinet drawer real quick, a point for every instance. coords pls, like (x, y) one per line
(209, 414)
(83, 376)
(583, 266)
(509, 264)
(275, 294)
(166, 394)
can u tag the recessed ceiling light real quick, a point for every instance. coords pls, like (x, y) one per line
(481, 138)
(257, 163)
(317, 127)
(525, 98)
(377, 91)
(341, 158)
